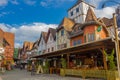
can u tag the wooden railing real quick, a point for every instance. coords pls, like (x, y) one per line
(104, 74)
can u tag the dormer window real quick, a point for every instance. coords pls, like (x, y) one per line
(72, 13)
(77, 10)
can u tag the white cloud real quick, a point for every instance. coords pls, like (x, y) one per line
(3, 14)
(4, 27)
(53, 3)
(105, 12)
(14, 2)
(17, 45)
(96, 3)
(30, 2)
(3, 2)
(29, 32)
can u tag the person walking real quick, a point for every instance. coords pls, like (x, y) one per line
(33, 68)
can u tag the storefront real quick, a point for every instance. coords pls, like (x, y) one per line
(86, 57)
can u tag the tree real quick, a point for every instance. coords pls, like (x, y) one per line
(110, 58)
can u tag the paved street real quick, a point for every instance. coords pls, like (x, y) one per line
(24, 75)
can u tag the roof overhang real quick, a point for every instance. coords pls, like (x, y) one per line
(103, 43)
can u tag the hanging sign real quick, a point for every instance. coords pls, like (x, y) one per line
(99, 28)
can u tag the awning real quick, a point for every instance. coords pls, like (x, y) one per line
(103, 43)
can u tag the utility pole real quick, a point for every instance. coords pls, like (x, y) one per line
(117, 43)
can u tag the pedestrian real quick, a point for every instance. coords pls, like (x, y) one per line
(33, 68)
(21, 66)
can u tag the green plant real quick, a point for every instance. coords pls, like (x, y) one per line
(46, 67)
(110, 58)
(63, 63)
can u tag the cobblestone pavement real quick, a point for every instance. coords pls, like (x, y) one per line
(24, 75)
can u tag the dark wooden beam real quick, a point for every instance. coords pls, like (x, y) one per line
(104, 58)
(68, 59)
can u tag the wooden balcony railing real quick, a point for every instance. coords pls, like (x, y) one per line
(102, 74)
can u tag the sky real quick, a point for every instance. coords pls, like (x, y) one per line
(27, 18)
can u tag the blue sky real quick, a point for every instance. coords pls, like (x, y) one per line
(27, 18)
(29, 11)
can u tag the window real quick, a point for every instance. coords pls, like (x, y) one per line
(91, 37)
(62, 32)
(52, 48)
(48, 49)
(79, 42)
(71, 13)
(77, 9)
(74, 43)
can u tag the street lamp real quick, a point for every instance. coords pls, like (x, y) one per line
(116, 36)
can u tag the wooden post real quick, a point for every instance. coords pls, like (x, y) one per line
(104, 59)
(117, 43)
(68, 58)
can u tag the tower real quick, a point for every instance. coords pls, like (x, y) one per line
(79, 10)
(118, 16)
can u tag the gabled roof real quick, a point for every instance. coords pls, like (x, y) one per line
(108, 22)
(44, 35)
(9, 37)
(90, 15)
(76, 25)
(35, 44)
(28, 45)
(53, 32)
(91, 19)
(1, 30)
(75, 33)
(67, 24)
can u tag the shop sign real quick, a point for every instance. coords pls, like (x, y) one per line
(99, 28)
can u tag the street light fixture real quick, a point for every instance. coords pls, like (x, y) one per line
(116, 36)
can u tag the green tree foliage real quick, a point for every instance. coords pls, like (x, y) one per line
(110, 58)
(46, 67)
(15, 52)
(63, 63)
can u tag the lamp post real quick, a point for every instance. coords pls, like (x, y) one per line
(116, 36)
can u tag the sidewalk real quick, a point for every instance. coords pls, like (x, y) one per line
(25, 75)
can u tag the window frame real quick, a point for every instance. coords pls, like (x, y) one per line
(71, 13)
(77, 9)
(62, 32)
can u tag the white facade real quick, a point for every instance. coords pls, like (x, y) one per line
(51, 44)
(79, 12)
(42, 46)
(62, 41)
